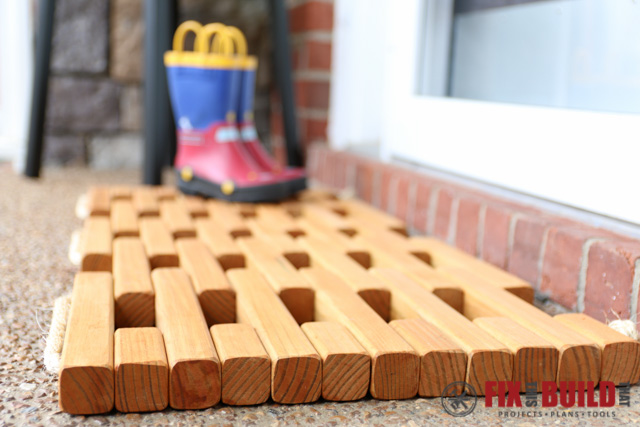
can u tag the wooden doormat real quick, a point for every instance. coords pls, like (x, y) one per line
(185, 302)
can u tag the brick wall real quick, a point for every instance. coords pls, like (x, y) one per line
(310, 26)
(582, 267)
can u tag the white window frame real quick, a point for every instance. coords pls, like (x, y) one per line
(583, 159)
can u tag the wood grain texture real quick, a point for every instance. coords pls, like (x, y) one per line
(132, 288)
(579, 358)
(95, 244)
(220, 244)
(158, 243)
(294, 291)
(99, 201)
(177, 219)
(86, 379)
(276, 220)
(120, 192)
(534, 358)
(124, 219)
(316, 194)
(246, 367)
(296, 367)
(620, 354)
(346, 365)
(194, 205)
(228, 217)
(368, 287)
(363, 213)
(141, 370)
(327, 218)
(487, 358)
(145, 202)
(282, 243)
(164, 192)
(395, 366)
(441, 254)
(386, 255)
(442, 361)
(194, 379)
(217, 298)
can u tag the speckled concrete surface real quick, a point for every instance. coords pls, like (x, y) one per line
(36, 221)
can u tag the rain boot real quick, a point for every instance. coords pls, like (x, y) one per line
(210, 159)
(294, 178)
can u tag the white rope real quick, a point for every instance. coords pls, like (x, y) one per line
(55, 339)
(75, 255)
(625, 327)
(82, 210)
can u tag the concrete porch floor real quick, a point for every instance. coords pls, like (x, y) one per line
(36, 221)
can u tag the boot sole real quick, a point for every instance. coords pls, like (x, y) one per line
(260, 193)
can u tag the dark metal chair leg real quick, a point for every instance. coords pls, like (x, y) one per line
(282, 62)
(159, 129)
(46, 9)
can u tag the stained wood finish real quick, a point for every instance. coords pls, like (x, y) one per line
(95, 244)
(368, 287)
(217, 298)
(276, 220)
(194, 205)
(246, 367)
(99, 201)
(86, 380)
(351, 247)
(158, 243)
(325, 217)
(220, 244)
(132, 288)
(177, 219)
(442, 361)
(443, 255)
(487, 358)
(395, 366)
(294, 291)
(296, 367)
(164, 192)
(346, 365)
(361, 212)
(534, 358)
(579, 358)
(145, 202)
(124, 219)
(282, 243)
(141, 370)
(620, 354)
(228, 217)
(194, 379)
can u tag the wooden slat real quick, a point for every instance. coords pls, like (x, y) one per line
(443, 255)
(164, 192)
(120, 192)
(355, 276)
(283, 243)
(141, 370)
(86, 381)
(145, 202)
(275, 220)
(346, 365)
(124, 219)
(296, 367)
(194, 205)
(386, 256)
(442, 361)
(98, 201)
(246, 210)
(534, 358)
(177, 219)
(220, 244)
(296, 294)
(356, 250)
(315, 194)
(325, 217)
(246, 367)
(579, 358)
(228, 217)
(95, 244)
(132, 288)
(217, 298)
(620, 354)
(487, 359)
(395, 364)
(361, 212)
(194, 379)
(158, 243)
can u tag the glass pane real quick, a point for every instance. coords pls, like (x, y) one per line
(582, 54)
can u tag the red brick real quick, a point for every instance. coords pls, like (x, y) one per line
(401, 189)
(421, 209)
(495, 243)
(279, 150)
(276, 124)
(609, 279)
(318, 55)
(340, 172)
(316, 130)
(525, 253)
(443, 214)
(311, 16)
(467, 225)
(312, 94)
(313, 160)
(364, 181)
(386, 174)
(562, 262)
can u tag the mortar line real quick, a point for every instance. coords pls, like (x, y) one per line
(543, 251)
(431, 212)
(376, 197)
(512, 233)
(411, 203)
(453, 222)
(582, 278)
(480, 239)
(635, 291)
